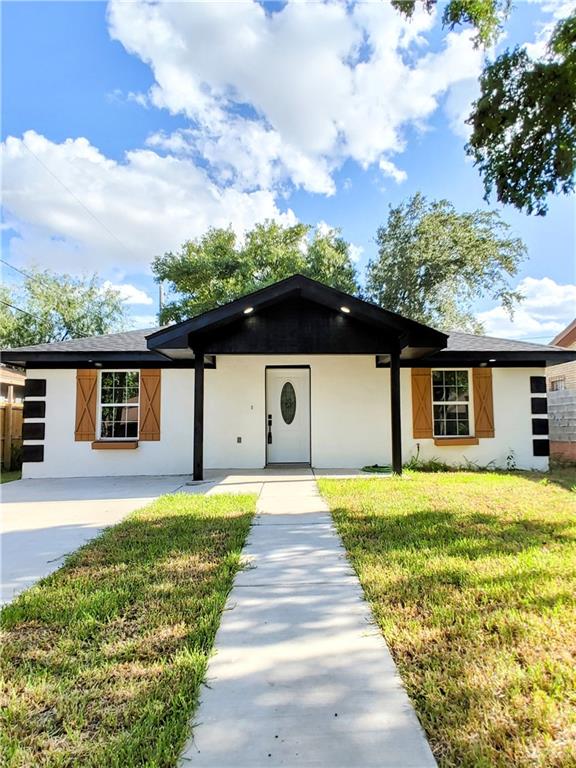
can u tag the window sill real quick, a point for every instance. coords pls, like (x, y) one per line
(114, 445)
(440, 441)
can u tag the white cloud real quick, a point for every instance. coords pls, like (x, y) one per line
(558, 9)
(129, 293)
(137, 209)
(289, 95)
(389, 169)
(142, 321)
(273, 100)
(458, 106)
(547, 308)
(356, 252)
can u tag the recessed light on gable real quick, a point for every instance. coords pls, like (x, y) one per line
(346, 310)
(248, 310)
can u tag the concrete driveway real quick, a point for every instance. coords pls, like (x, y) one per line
(44, 520)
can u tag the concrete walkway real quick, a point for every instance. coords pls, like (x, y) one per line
(301, 676)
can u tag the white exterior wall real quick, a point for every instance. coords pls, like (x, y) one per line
(64, 457)
(512, 425)
(350, 420)
(350, 424)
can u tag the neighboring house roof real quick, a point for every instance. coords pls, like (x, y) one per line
(567, 337)
(11, 376)
(169, 346)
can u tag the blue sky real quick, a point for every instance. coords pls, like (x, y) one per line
(128, 128)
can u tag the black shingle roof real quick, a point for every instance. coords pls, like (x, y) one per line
(135, 341)
(469, 342)
(127, 341)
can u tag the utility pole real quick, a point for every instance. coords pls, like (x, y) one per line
(160, 301)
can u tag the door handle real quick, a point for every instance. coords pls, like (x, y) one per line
(269, 429)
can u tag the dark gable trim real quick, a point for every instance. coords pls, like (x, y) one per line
(516, 359)
(192, 332)
(121, 360)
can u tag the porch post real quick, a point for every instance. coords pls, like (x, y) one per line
(395, 413)
(198, 415)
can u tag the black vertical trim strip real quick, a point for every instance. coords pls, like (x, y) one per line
(32, 453)
(34, 409)
(198, 415)
(539, 405)
(540, 426)
(395, 412)
(538, 385)
(35, 388)
(541, 447)
(33, 430)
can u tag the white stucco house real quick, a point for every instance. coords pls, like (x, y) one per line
(294, 373)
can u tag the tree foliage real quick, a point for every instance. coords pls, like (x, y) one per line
(57, 307)
(524, 123)
(486, 16)
(218, 267)
(433, 263)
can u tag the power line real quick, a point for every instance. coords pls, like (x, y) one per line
(78, 200)
(20, 271)
(7, 304)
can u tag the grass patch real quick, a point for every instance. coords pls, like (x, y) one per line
(102, 661)
(472, 579)
(8, 477)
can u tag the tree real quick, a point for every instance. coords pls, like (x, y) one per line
(524, 123)
(434, 262)
(218, 267)
(55, 307)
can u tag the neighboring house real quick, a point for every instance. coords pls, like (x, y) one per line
(11, 385)
(294, 373)
(562, 399)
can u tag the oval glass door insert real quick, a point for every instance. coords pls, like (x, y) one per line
(288, 403)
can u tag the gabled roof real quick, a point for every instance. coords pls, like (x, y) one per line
(567, 337)
(149, 346)
(409, 332)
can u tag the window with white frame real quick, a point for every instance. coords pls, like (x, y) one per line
(451, 403)
(119, 405)
(557, 383)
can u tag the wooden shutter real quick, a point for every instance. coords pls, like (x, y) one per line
(86, 391)
(422, 402)
(483, 402)
(150, 404)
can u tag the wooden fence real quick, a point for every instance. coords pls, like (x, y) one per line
(10, 432)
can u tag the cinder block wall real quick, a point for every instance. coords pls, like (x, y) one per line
(562, 416)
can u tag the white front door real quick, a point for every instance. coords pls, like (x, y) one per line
(288, 415)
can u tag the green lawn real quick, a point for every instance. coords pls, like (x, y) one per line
(7, 477)
(103, 660)
(472, 579)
